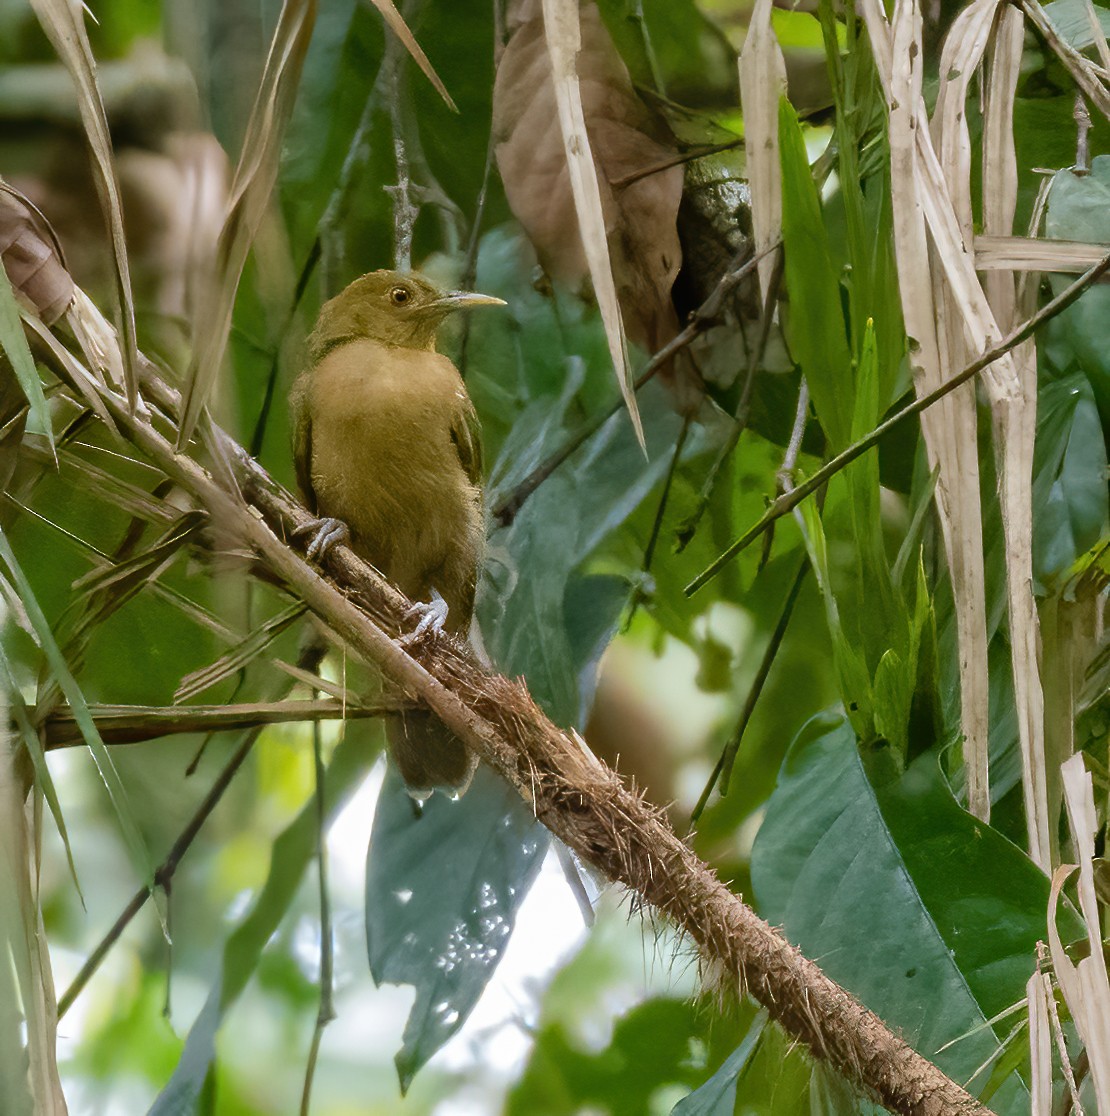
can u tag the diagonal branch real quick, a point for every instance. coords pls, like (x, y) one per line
(578, 798)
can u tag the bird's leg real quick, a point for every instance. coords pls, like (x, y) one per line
(326, 532)
(433, 615)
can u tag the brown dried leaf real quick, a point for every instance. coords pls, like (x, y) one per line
(400, 28)
(32, 256)
(250, 196)
(64, 24)
(625, 138)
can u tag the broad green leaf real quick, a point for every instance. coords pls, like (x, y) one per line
(443, 885)
(293, 851)
(1069, 17)
(1069, 477)
(1079, 209)
(717, 1097)
(13, 342)
(815, 328)
(952, 911)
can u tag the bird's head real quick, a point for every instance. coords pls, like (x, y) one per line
(392, 307)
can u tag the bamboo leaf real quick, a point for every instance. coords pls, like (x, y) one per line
(240, 655)
(400, 28)
(14, 342)
(564, 40)
(64, 24)
(21, 715)
(65, 680)
(249, 199)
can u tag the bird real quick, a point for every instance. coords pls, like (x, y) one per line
(387, 448)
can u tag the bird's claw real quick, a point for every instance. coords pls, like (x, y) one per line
(433, 616)
(326, 532)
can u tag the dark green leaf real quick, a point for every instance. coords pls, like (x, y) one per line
(717, 1097)
(815, 329)
(443, 884)
(953, 911)
(1069, 476)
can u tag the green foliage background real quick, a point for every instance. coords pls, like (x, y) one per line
(842, 821)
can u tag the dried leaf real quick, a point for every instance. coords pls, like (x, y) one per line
(1085, 986)
(32, 256)
(64, 24)
(240, 655)
(400, 28)
(1024, 253)
(948, 428)
(762, 84)
(1010, 382)
(613, 137)
(250, 196)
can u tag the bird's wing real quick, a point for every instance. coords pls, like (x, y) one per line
(466, 433)
(302, 439)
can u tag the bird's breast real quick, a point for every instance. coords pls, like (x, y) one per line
(383, 459)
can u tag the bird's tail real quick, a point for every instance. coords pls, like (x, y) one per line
(428, 754)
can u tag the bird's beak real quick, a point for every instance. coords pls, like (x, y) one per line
(464, 300)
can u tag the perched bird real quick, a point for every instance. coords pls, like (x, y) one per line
(387, 449)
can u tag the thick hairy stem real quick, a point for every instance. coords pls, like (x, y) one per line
(578, 798)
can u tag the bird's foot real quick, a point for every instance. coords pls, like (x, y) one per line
(433, 616)
(326, 532)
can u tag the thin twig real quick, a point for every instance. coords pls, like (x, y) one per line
(722, 770)
(678, 160)
(326, 1012)
(790, 500)
(163, 874)
(504, 511)
(741, 415)
(132, 724)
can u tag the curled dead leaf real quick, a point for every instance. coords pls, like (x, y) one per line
(32, 256)
(626, 138)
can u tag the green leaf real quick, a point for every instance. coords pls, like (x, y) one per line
(649, 1051)
(1069, 17)
(855, 685)
(1070, 504)
(717, 1097)
(21, 715)
(116, 792)
(293, 851)
(529, 584)
(1079, 209)
(14, 342)
(443, 885)
(952, 910)
(815, 328)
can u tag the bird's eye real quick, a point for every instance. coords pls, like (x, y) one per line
(399, 295)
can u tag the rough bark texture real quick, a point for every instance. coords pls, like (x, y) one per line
(578, 798)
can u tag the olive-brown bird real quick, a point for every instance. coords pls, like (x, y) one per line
(386, 443)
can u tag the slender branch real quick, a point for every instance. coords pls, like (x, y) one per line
(722, 770)
(742, 414)
(583, 802)
(132, 724)
(790, 500)
(326, 1012)
(504, 511)
(163, 874)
